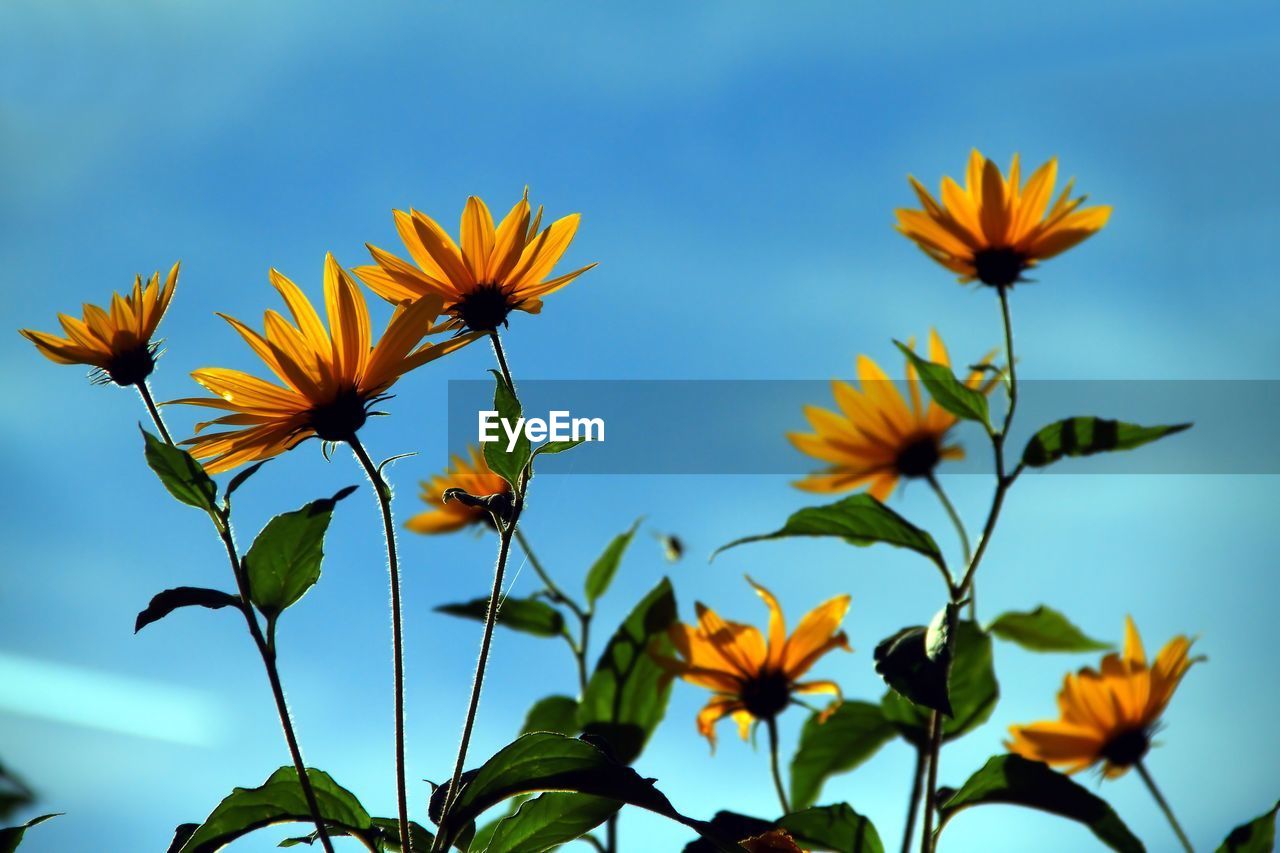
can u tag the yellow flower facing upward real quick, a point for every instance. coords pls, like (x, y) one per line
(1108, 716)
(473, 477)
(330, 378)
(116, 342)
(876, 438)
(495, 270)
(995, 228)
(752, 678)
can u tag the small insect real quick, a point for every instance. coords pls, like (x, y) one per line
(672, 546)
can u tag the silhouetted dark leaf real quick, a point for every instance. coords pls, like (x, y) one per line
(1256, 836)
(627, 695)
(181, 474)
(851, 735)
(557, 714)
(730, 826)
(239, 479)
(948, 391)
(284, 560)
(1087, 436)
(170, 600)
(384, 835)
(1013, 780)
(530, 615)
(915, 661)
(1043, 630)
(14, 792)
(504, 463)
(606, 565)
(972, 690)
(278, 800)
(549, 820)
(11, 836)
(837, 828)
(859, 520)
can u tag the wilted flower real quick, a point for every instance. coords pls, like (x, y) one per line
(472, 477)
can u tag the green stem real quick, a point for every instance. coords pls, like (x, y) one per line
(578, 646)
(963, 534)
(266, 647)
(771, 723)
(913, 800)
(931, 787)
(502, 360)
(1164, 806)
(383, 493)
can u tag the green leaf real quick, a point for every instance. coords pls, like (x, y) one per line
(278, 800)
(1256, 836)
(1087, 436)
(181, 474)
(384, 835)
(170, 600)
(530, 615)
(507, 464)
(851, 735)
(627, 694)
(557, 714)
(480, 838)
(837, 828)
(239, 479)
(542, 761)
(549, 820)
(11, 836)
(731, 825)
(15, 793)
(1013, 780)
(606, 565)
(916, 661)
(557, 446)
(971, 688)
(859, 520)
(948, 391)
(1044, 630)
(284, 560)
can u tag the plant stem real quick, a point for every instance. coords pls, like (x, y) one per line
(965, 548)
(266, 648)
(772, 724)
(913, 802)
(580, 649)
(931, 787)
(1164, 806)
(397, 640)
(502, 360)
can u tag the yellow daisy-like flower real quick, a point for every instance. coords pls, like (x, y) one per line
(876, 437)
(117, 343)
(474, 478)
(329, 382)
(751, 678)
(994, 228)
(1108, 716)
(494, 272)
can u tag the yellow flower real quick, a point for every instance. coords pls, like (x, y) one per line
(117, 343)
(329, 382)
(877, 438)
(495, 272)
(994, 229)
(1108, 716)
(474, 478)
(751, 678)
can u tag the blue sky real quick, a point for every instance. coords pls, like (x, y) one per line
(736, 165)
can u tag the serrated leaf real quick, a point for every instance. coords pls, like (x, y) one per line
(530, 615)
(851, 734)
(1256, 836)
(11, 836)
(1084, 436)
(859, 520)
(1013, 780)
(507, 464)
(278, 800)
(170, 600)
(550, 820)
(606, 565)
(181, 474)
(971, 688)
(284, 560)
(557, 714)
(836, 828)
(948, 391)
(627, 694)
(1044, 630)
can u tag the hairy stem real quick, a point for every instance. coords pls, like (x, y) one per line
(397, 640)
(144, 391)
(772, 725)
(502, 360)
(1164, 806)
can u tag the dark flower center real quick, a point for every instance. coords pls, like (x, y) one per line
(339, 419)
(485, 308)
(766, 695)
(919, 458)
(132, 366)
(999, 267)
(1127, 748)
